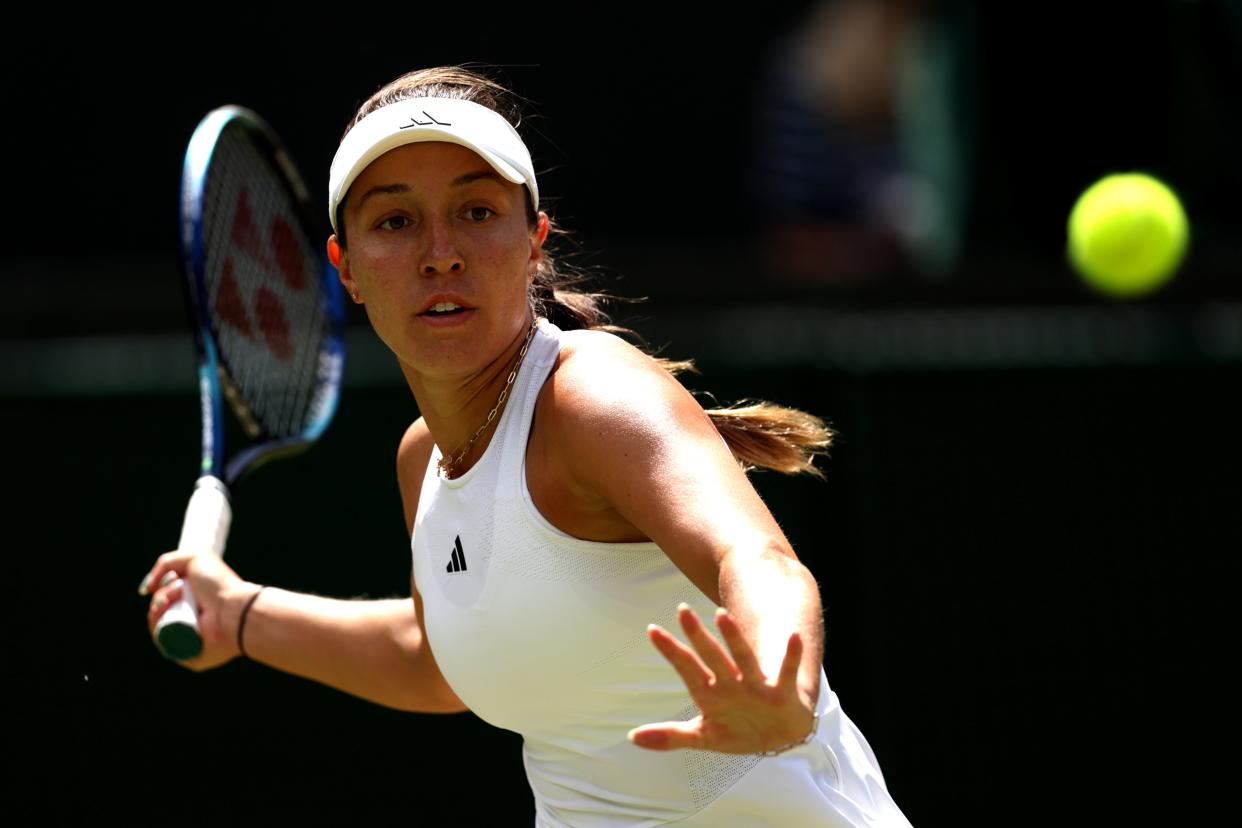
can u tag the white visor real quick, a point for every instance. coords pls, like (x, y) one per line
(430, 119)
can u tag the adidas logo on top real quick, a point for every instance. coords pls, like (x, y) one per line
(457, 561)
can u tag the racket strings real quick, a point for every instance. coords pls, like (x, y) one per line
(264, 295)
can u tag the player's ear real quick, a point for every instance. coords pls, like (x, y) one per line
(538, 235)
(340, 260)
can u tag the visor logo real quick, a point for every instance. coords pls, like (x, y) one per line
(431, 120)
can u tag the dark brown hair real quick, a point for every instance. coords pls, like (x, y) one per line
(760, 434)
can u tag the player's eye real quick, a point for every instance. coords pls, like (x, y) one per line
(479, 214)
(394, 223)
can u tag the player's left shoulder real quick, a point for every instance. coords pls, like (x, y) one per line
(600, 376)
(585, 349)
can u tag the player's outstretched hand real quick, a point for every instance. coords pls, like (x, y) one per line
(740, 709)
(219, 592)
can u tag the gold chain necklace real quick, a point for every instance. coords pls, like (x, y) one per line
(446, 466)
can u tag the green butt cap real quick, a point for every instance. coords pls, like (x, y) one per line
(180, 642)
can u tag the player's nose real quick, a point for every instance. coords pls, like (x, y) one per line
(443, 254)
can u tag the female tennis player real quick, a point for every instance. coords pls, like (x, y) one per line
(569, 504)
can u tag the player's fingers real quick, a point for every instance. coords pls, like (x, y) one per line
(708, 646)
(668, 735)
(740, 648)
(793, 660)
(174, 562)
(164, 598)
(692, 671)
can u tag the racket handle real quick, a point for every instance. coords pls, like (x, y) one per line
(205, 529)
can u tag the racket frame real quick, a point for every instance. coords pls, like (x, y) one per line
(208, 516)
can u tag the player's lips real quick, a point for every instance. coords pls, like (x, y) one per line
(444, 303)
(445, 309)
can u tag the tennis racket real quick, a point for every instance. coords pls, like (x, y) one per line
(267, 314)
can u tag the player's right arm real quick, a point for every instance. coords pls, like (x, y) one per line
(375, 650)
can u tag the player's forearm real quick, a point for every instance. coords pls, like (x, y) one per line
(771, 595)
(371, 649)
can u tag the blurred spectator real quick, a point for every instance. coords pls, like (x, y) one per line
(861, 132)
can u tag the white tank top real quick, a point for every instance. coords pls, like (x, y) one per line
(544, 634)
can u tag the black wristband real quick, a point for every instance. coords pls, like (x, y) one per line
(241, 622)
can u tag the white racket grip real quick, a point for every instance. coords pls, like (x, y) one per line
(205, 529)
(207, 518)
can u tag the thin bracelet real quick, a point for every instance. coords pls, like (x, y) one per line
(241, 622)
(800, 742)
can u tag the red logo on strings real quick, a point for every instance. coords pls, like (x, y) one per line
(265, 305)
(229, 306)
(273, 323)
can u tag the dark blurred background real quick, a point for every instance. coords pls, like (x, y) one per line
(1026, 539)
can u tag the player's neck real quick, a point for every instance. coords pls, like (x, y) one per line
(456, 408)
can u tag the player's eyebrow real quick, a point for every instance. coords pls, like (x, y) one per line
(460, 181)
(383, 189)
(466, 178)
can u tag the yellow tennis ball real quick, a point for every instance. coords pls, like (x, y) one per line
(1127, 234)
